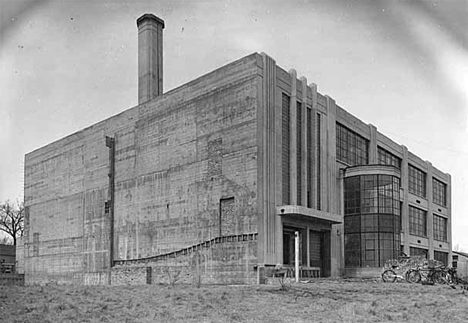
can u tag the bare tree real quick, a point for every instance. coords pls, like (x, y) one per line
(12, 219)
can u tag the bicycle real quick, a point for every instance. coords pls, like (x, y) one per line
(427, 274)
(390, 276)
(395, 269)
(451, 275)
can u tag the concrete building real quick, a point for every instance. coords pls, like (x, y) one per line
(211, 180)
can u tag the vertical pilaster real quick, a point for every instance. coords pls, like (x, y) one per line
(332, 178)
(305, 126)
(315, 162)
(430, 210)
(293, 145)
(373, 145)
(449, 216)
(405, 195)
(267, 164)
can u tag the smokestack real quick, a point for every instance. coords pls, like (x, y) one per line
(150, 57)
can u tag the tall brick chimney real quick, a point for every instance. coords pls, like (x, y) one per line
(150, 57)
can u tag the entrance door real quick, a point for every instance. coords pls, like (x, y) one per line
(289, 246)
(315, 249)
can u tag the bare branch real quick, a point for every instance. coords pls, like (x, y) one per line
(12, 219)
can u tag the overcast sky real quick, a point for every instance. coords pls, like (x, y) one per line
(400, 65)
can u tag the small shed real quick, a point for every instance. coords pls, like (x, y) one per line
(460, 262)
(7, 253)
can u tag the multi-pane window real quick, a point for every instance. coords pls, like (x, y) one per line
(387, 158)
(417, 221)
(417, 181)
(318, 145)
(372, 194)
(439, 192)
(372, 220)
(418, 252)
(286, 135)
(440, 228)
(299, 152)
(351, 148)
(309, 156)
(441, 256)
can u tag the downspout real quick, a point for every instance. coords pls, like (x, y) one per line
(110, 143)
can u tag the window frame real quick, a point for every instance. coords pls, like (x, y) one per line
(439, 192)
(417, 181)
(440, 224)
(384, 157)
(416, 223)
(351, 148)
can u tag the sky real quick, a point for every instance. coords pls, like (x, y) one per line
(400, 65)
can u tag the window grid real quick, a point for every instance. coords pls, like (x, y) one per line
(387, 158)
(417, 222)
(418, 252)
(440, 228)
(351, 148)
(285, 149)
(441, 256)
(319, 161)
(439, 192)
(372, 220)
(309, 158)
(417, 181)
(299, 152)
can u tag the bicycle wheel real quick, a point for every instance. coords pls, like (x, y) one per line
(413, 276)
(453, 278)
(440, 277)
(389, 276)
(435, 277)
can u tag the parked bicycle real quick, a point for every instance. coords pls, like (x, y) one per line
(452, 276)
(396, 269)
(429, 273)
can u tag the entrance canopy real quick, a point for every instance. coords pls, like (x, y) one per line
(297, 211)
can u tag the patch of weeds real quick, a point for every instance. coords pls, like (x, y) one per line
(165, 314)
(235, 317)
(388, 317)
(60, 307)
(224, 297)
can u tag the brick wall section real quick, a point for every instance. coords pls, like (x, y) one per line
(224, 263)
(175, 158)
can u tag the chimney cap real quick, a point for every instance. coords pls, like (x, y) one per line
(151, 17)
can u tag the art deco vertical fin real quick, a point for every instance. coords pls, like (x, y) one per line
(293, 143)
(268, 163)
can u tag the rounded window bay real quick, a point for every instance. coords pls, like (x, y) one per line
(371, 219)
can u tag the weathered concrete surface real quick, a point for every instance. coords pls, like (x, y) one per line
(175, 158)
(232, 262)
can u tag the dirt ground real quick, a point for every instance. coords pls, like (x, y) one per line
(318, 301)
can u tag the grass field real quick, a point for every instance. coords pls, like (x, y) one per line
(318, 301)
